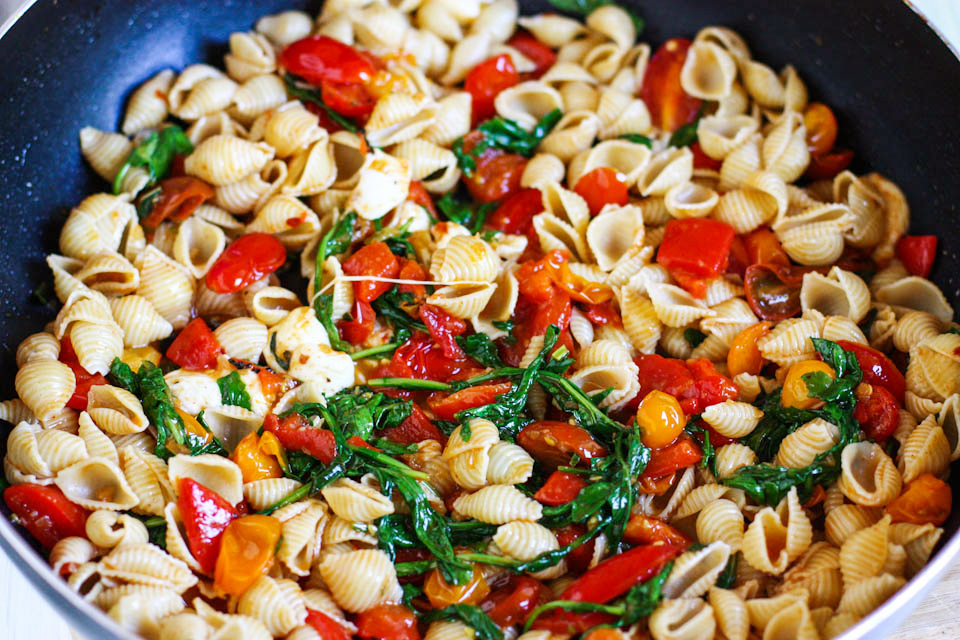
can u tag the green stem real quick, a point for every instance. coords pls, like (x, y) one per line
(410, 383)
(503, 372)
(155, 521)
(374, 351)
(298, 494)
(387, 461)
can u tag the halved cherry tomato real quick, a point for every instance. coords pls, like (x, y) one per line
(695, 383)
(877, 368)
(416, 428)
(359, 326)
(376, 260)
(536, 278)
(513, 602)
(350, 100)
(497, 175)
(205, 517)
(821, 127)
(419, 195)
(446, 406)
(327, 627)
(411, 270)
(763, 247)
(179, 198)
(683, 453)
(421, 357)
(795, 394)
(701, 160)
(773, 290)
(917, 254)
(552, 443)
(744, 355)
(46, 513)
(876, 411)
(195, 348)
(602, 314)
(387, 622)
(295, 433)
(600, 187)
(579, 558)
(444, 329)
(246, 552)
(560, 488)
(84, 379)
(486, 80)
(515, 214)
(535, 51)
(670, 107)
(440, 594)
(926, 500)
(246, 260)
(827, 165)
(660, 418)
(254, 462)
(319, 58)
(643, 529)
(697, 246)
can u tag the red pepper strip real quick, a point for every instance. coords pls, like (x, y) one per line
(697, 246)
(294, 432)
(205, 516)
(46, 513)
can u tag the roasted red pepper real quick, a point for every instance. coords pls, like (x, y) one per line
(246, 260)
(446, 406)
(372, 260)
(416, 428)
(196, 347)
(84, 379)
(360, 325)
(695, 248)
(205, 517)
(294, 432)
(46, 513)
(683, 453)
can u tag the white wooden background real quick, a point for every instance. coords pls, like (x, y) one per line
(25, 615)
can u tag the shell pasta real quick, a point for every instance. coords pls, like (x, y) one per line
(426, 315)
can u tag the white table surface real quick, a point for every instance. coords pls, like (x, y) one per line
(25, 615)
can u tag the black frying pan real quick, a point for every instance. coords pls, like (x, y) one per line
(892, 82)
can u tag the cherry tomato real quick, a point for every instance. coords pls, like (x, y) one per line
(319, 58)
(926, 500)
(683, 453)
(701, 160)
(535, 51)
(421, 357)
(710, 386)
(196, 347)
(440, 594)
(917, 254)
(350, 100)
(46, 513)
(486, 80)
(877, 412)
(773, 290)
(602, 314)
(600, 187)
(411, 270)
(295, 433)
(246, 552)
(515, 214)
(512, 603)
(660, 418)
(359, 326)
(696, 246)
(419, 195)
(497, 175)
(446, 406)
(827, 165)
(696, 383)
(744, 355)
(552, 443)
(763, 247)
(603, 634)
(670, 107)
(560, 488)
(739, 260)
(254, 462)
(178, 199)
(372, 260)
(416, 428)
(444, 329)
(878, 369)
(327, 627)
(579, 558)
(84, 379)
(205, 517)
(643, 529)
(246, 260)
(821, 127)
(387, 622)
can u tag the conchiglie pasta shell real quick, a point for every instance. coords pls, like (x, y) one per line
(116, 411)
(97, 483)
(709, 71)
(682, 619)
(868, 477)
(722, 521)
(926, 450)
(221, 160)
(359, 580)
(263, 493)
(800, 448)
(498, 504)
(147, 108)
(357, 502)
(242, 338)
(864, 553)
(916, 293)
(276, 603)
(666, 169)
(45, 386)
(863, 597)
(166, 285)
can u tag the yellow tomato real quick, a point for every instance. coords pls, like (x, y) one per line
(254, 462)
(440, 594)
(661, 418)
(135, 357)
(744, 355)
(795, 393)
(246, 552)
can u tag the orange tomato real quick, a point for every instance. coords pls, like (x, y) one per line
(795, 393)
(661, 418)
(763, 247)
(744, 355)
(440, 594)
(254, 462)
(821, 127)
(642, 529)
(927, 499)
(246, 552)
(604, 634)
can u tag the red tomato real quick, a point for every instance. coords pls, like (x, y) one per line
(486, 80)
(421, 357)
(683, 453)
(698, 246)
(877, 412)
(205, 516)
(694, 285)
(739, 259)
(350, 100)
(710, 386)
(536, 51)
(497, 175)
(319, 58)
(446, 406)
(294, 432)
(579, 558)
(46, 513)
(552, 443)
(372, 260)
(84, 379)
(360, 325)
(878, 369)
(642, 529)
(387, 622)
(516, 213)
(416, 428)
(917, 254)
(178, 199)
(663, 374)
(246, 260)
(696, 383)
(444, 329)
(601, 187)
(560, 488)
(701, 160)
(603, 313)
(927, 499)
(327, 627)
(195, 348)
(411, 270)
(512, 603)
(773, 290)
(670, 107)
(827, 165)
(419, 195)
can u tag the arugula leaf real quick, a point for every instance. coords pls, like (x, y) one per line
(728, 577)
(298, 89)
(709, 459)
(323, 308)
(501, 133)
(643, 598)
(465, 214)
(336, 240)
(480, 347)
(471, 615)
(573, 399)
(198, 446)
(282, 359)
(694, 337)
(637, 138)
(146, 201)
(390, 306)
(233, 391)
(156, 154)
(508, 326)
(121, 375)
(395, 531)
(359, 411)
(586, 7)
(158, 406)
(410, 593)
(156, 529)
